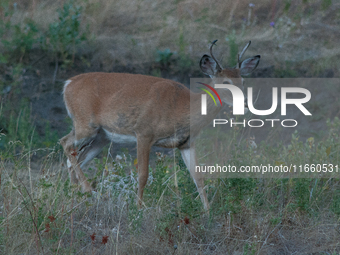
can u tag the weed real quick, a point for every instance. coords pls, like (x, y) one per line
(156, 72)
(64, 36)
(40, 209)
(326, 4)
(184, 62)
(51, 136)
(288, 3)
(233, 49)
(17, 39)
(249, 249)
(181, 40)
(164, 57)
(22, 40)
(172, 207)
(288, 70)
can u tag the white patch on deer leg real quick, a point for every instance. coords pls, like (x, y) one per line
(68, 163)
(186, 155)
(189, 158)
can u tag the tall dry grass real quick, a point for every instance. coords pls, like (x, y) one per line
(41, 213)
(130, 32)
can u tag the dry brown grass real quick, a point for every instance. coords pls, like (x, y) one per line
(38, 196)
(129, 32)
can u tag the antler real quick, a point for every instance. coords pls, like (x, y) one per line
(218, 64)
(239, 56)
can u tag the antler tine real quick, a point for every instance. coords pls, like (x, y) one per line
(242, 52)
(218, 64)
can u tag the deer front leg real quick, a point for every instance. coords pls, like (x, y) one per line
(76, 174)
(189, 157)
(67, 143)
(71, 172)
(143, 151)
(85, 185)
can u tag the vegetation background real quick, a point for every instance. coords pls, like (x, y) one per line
(44, 42)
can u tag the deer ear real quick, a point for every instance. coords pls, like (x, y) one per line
(249, 65)
(208, 65)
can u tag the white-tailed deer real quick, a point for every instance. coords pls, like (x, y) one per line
(152, 111)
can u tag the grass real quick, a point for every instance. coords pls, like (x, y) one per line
(280, 32)
(41, 212)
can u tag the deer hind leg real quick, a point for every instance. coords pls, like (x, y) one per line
(143, 151)
(189, 157)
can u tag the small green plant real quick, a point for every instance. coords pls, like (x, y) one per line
(22, 40)
(18, 127)
(64, 36)
(18, 130)
(181, 40)
(233, 49)
(335, 207)
(2, 238)
(164, 57)
(185, 63)
(288, 3)
(51, 136)
(17, 40)
(301, 193)
(249, 249)
(326, 4)
(288, 70)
